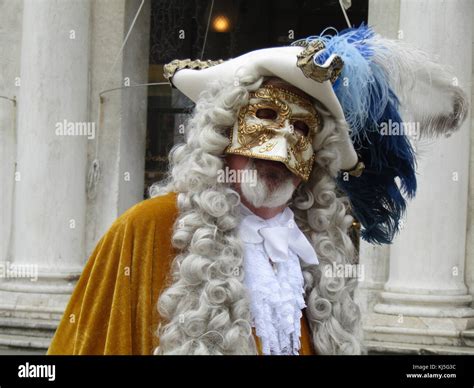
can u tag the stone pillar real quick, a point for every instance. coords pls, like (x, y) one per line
(425, 304)
(48, 233)
(10, 42)
(469, 269)
(68, 49)
(374, 259)
(122, 133)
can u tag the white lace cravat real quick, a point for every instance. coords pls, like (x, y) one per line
(274, 278)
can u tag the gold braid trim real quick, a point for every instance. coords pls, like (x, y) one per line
(171, 68)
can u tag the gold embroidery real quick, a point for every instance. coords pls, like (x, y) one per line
(250, 135)
(265, 133)
(267, 147)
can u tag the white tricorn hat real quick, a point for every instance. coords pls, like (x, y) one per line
(292, 64)
(365, 81)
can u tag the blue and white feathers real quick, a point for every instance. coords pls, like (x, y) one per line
(383, 84)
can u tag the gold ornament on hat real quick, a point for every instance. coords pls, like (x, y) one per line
(319, 73)
(358, 169)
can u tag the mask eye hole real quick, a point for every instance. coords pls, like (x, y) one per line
(266, 114)
(301, 127)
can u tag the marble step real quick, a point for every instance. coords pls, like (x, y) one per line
(28, 327)
(379, 347)
(25, 336)
(17, 343)
(468, 337)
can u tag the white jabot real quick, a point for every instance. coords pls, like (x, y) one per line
(274, 279)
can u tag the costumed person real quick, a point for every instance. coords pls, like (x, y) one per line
(213, 266)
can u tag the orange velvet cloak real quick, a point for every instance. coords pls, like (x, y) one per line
(112, 310)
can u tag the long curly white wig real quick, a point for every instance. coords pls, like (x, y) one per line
(205, 309)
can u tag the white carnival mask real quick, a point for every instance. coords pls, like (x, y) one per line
(277, 125)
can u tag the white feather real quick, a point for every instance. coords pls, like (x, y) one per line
(425, 88)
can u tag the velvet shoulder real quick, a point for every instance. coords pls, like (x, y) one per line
(113, 307)
(162, 209)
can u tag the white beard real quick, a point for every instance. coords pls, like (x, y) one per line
(262, 195)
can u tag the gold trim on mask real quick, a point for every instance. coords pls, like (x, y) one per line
(260, 134)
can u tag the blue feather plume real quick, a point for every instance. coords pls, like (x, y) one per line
(368, 100)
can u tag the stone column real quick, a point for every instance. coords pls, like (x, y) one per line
(425, 304)
(10, 42)
(374, 259)
(68, 49)
(48, 233)
(469, 269)
(122, 135)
